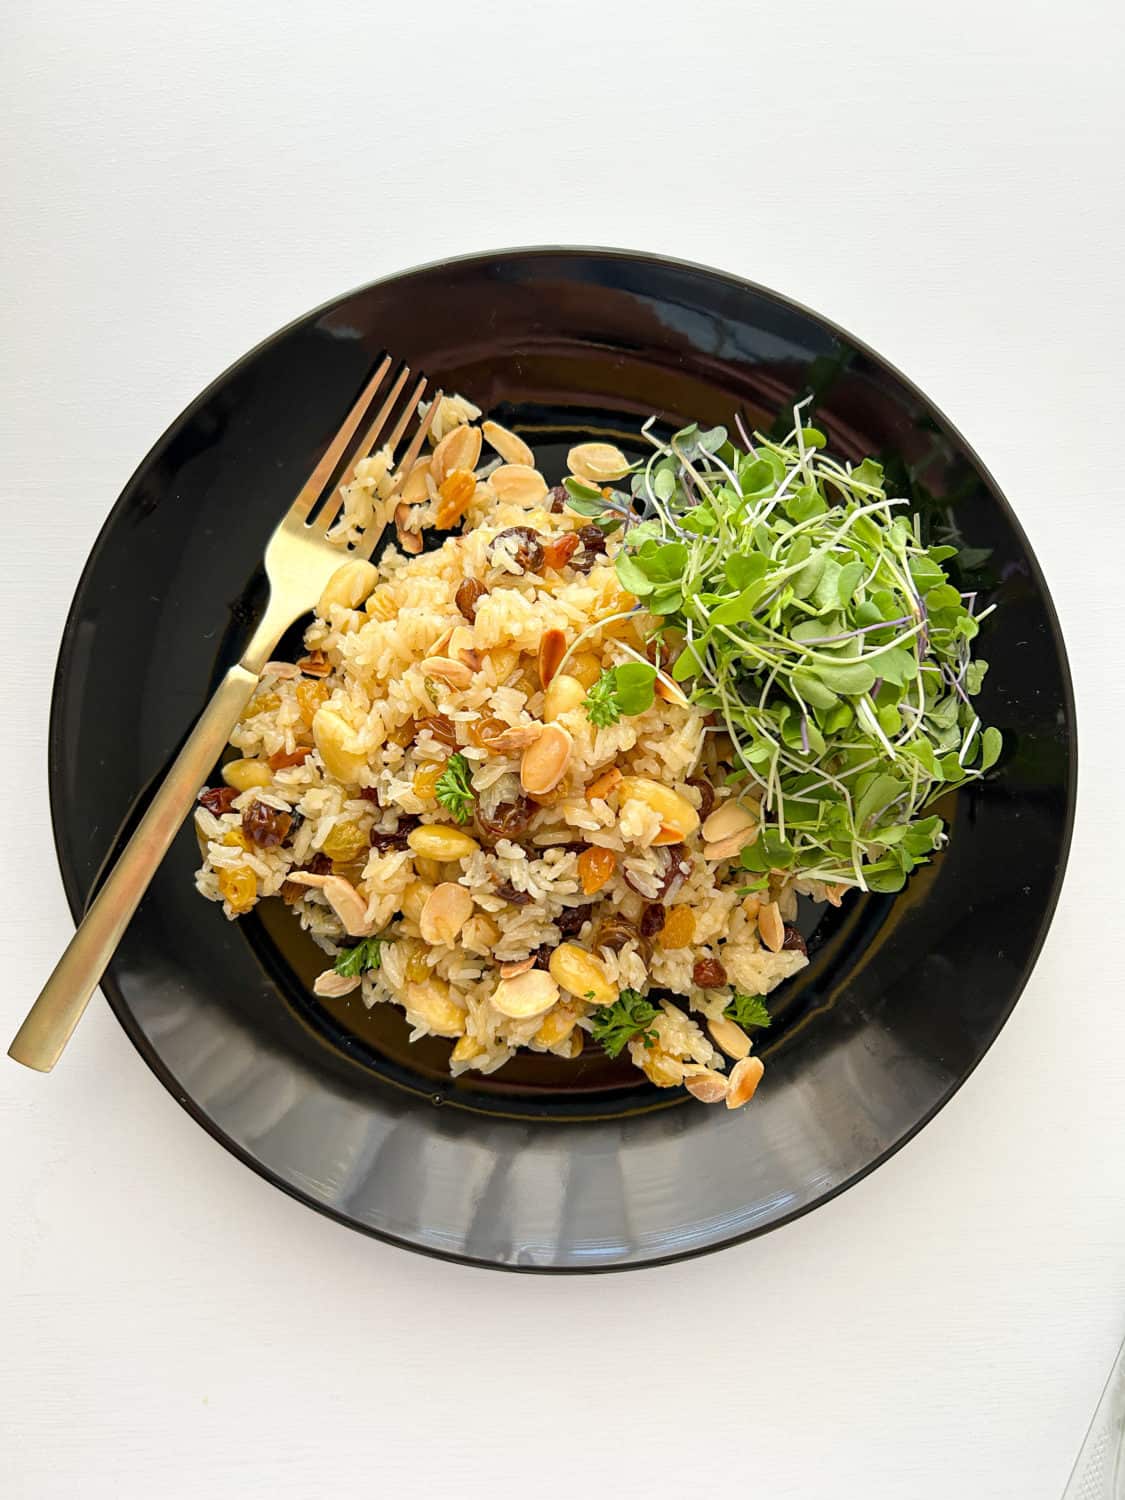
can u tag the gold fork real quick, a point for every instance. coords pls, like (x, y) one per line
(299, 563)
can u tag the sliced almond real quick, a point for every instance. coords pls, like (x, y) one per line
(669, 692)
(409, 541)
(552, 649)
(455, 673)
(439, 646)
(597, 463)
(282, 670)
(771, 928)
(707, 1085)
(306, 877)
(744, 1079)
(727, 821)
(348, 905)
(416, 491)
(518, 484)
(544, 763)
(834, 894)
(729, 1037)
(510, 971)
(316, 664)
(529, 994)
(516, 738)
(332, 985)
(602, 785)
(448, 907)
(459, 449)
(512, 449)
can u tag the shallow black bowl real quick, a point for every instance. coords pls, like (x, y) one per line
(543, 1167)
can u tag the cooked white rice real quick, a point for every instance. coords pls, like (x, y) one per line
(363, 750)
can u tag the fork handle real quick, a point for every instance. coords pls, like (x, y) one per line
(50, 1021)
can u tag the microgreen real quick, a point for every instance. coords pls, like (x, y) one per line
(625, 689)
(352, 962)
(454, 790)
(806, 611)
(748, 1010)
(630, 1015)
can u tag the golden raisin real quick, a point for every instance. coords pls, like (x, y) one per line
(560, 549)
(417, 969)
(595, 867)
(346, 841)
(234, 838)
(457, 490)
(280, 759)
(265, 703)
(678, 929)
(426, 780)
(238, 888)
(311, 694)
(484, 732)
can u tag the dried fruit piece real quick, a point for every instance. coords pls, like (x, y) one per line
(708, 974)
(311, 696)
(238, 888)
(552, 649)
(264, 825)
(593, 547)
(442, 729)
(345, 841)
(706, 796)
(602, 785)
(512, 449)
(527, 552)
(615, 932)
(454, 497)
(652, 919)
(470, 591)
(217, 799)
(281, 760)
(560, 549)
(679, 928)
(794, 941)
(595, 867)
(426, 779)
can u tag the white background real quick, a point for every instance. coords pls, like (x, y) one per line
(944, 179)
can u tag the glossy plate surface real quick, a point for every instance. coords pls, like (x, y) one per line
(546, 1166)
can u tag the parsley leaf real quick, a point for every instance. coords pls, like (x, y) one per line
(453, 789)
(352, 962)
(748, 1010)
(627, 689)
(617, 1024)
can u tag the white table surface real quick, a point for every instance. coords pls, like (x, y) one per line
(945, 179)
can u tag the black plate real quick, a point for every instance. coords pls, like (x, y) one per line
(541, 1168)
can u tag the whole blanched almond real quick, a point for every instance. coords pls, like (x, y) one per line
(528, 994)
(543, 764)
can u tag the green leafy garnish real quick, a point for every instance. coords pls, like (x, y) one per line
(629, 1015)
(454, 790)
(626, 689)
(818, 626)
(748, 1010)
(352, 962)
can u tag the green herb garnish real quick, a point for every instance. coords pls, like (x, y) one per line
(628, 1016)
(454, 790)
(352, 962)
(822, 631)
(748, 1010)
(627, 689)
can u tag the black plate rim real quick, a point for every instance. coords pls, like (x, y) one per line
(56, 746)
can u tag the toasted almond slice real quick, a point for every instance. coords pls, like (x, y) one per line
(512, 449)
(282, 670)
(455, 673)
(518, 484)
(726, 821)
(744, 1079)
(306, 877)
(448, 907)
(729, 1037)
(552, 649)
(333, 985)
(348, 905)
(707, 1085)
(439, 646)
(516, 738)
(771, 928)
(597, 463)
(669, 692)
(509, 971)
(458, 449)
(602, 785)
(529, 994)
(415, 491)
(834, 894)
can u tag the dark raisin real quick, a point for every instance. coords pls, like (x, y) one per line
(529, 552)
(470, 591)
(320, 864)
(384, 841)
(614, 932)
(569, 920)
(677, 868)
(593, 547)
(558, 498)
(652, 919)
(507, 820)
(369, 794)
(217, 799)
(708, 974)
(507, 892)
(265, 826)
(706, 796)
(442, 729)
(793, 939)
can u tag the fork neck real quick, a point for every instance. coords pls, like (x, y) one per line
(268, 631)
